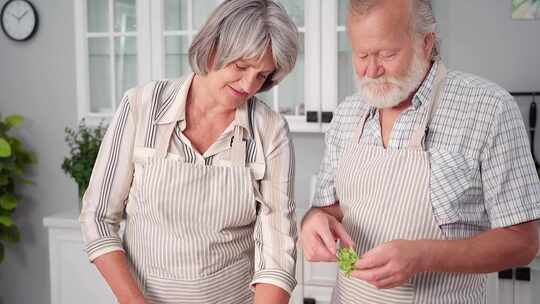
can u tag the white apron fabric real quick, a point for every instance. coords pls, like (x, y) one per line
(189, 228)
(385, 195)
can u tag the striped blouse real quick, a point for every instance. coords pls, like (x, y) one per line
(137, 126)
(482, 172)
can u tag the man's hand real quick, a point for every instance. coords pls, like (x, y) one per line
(391, 264)
(319, 234)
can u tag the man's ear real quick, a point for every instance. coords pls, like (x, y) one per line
(429, 45)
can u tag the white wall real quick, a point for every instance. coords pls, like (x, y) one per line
(37, 80)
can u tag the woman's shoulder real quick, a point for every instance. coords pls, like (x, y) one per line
(155, 95)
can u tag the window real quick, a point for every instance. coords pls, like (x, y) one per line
(124, 43)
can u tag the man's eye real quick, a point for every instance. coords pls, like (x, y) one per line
(388, 56)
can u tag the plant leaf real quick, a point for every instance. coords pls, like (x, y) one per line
(8, 201)
(5, 148)
(10, 234)
(4, 180)
(14, 120)
(6, 220)
(347, 257)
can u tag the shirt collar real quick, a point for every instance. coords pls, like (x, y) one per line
(423, 94)
(175, 111)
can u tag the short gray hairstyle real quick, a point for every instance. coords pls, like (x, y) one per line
(424, 19)
(245, 29)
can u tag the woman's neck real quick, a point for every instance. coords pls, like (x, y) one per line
(201, 105)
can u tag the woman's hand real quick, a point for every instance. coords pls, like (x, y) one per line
(391, 264)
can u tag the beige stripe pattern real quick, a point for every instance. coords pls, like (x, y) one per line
(199, 222)
(119, 185)
(389, 199)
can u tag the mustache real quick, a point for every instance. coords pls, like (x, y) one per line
(366, 81)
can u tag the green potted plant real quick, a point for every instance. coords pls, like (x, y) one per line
(14, 161)
(83, 143)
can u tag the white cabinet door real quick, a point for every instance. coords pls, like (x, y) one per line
(516, 286)
(73, 278)
(319, 281)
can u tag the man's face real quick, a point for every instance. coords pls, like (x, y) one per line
(390, 62)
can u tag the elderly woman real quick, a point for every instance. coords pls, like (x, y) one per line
(203, 172)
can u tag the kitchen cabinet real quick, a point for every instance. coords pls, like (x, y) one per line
(73, 279)
(124, 43)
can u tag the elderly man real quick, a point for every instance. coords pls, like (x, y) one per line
(427, 172)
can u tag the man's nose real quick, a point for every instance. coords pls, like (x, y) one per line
(374, 70)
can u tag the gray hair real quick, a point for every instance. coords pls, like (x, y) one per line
(245, 29)
(424, 19)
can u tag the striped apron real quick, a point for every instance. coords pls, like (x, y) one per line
(389, 199)
(189, 228)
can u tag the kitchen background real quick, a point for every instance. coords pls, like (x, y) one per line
(38, 80)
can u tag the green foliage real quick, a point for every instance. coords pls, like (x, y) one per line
(83, 144)
(347, 257)
(15, 159)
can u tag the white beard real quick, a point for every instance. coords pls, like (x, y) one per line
(388, 91)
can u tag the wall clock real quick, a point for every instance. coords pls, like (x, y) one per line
(19, 19)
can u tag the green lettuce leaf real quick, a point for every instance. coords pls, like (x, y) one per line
(347, 257)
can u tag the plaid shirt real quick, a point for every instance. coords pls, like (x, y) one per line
(482, 172)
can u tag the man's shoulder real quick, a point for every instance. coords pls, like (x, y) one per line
(474, 88)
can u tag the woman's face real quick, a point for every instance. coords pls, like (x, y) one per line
(235, 83)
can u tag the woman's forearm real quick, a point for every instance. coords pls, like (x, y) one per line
(490, 251)
(114, 268)
(270, 294)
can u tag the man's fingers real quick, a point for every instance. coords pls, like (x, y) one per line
(342, 234)
(371, 259)
(390, 282)
(373, 275)
(328, 240)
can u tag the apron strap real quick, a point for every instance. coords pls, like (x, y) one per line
(417, 139)
(238, 151)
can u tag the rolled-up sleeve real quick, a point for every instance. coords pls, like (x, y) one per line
(509, 177)
(325, 191)
(107, 192)
(275, 231)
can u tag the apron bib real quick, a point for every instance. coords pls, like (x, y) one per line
(389, 199)
(189, 228)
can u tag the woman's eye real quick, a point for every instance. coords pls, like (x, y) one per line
(239, 67)
(262, 76)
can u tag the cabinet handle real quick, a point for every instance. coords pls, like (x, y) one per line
(312, 116)
(309, 301)
(327, 116)
(523, 274)
(507, 274)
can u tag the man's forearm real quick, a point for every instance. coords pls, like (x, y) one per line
(489, 251)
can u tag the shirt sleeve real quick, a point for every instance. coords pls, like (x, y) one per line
(107, 192)
(325, 190)
(509, 177)
(275, 232)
